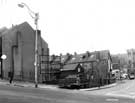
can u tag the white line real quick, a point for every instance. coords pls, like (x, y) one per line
(112, 100)
(121, 95)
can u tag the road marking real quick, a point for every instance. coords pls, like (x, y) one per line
(112, 100)
(132, 93)
(121, 95)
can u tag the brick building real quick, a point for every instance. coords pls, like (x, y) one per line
(95, 68)
(2, 30)
(52, 73)
(18, 44)
(131, 57)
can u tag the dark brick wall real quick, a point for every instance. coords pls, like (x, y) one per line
(0, 46)
(19, 46)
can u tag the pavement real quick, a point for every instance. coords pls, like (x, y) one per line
(97, 88)
(28, 84)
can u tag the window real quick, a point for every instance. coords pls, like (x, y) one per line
(63, 59)
(79, 69)
(73, 58)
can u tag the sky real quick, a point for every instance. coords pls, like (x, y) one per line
(70, 26)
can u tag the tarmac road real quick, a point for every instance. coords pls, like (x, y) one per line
(124, 89)
(13, 94)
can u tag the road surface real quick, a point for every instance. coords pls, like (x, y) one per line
(123, 89)
(12, 94)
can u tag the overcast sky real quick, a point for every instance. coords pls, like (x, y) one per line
(77, 25)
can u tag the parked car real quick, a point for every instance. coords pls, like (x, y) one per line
(131, 76)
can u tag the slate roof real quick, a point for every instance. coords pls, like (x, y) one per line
(54, 58)
(69, 67)
(2, 30)
(76, 58)
(65, 58)
(86, 57)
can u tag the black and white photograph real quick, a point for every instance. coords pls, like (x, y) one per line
(67, 51)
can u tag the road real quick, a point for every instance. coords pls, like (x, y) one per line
(12, 94)
(124, 89)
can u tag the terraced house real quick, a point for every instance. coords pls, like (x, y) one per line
(18, 44)
(88, 69)
(56, 63)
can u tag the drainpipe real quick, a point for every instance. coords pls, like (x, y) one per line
(12, 65)
(109, 69)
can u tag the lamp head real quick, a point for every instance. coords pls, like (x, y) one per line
(21, 5)
(3, 57)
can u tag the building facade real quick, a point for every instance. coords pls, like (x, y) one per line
(18, 44)
(131, 57)
(96, 68)
(2, 30)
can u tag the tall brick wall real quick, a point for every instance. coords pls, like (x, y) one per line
(18, 44)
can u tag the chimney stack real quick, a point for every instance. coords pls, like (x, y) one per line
(75, 54)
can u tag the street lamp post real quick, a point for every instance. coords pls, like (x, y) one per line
(35, 17)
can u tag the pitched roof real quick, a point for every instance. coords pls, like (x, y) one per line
(76, 58)
(23, 25)
(16, 27)
(90, 56)
(66, 58)
(69, 67)
(101, 55)
(55, 58)
(2, 30)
